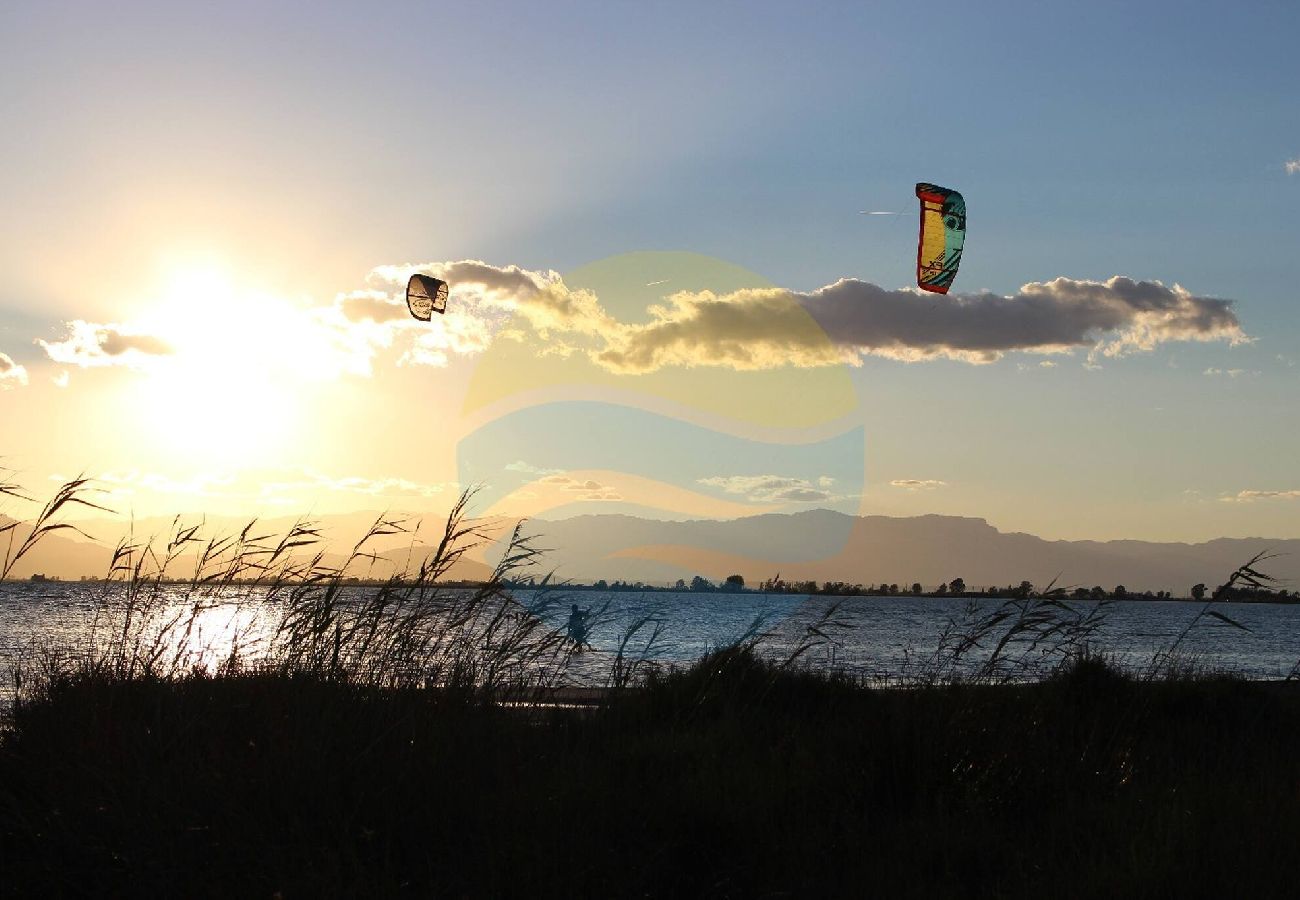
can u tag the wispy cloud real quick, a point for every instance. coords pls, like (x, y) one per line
(529, 469)
(589, 488)
(773, 488)
(90, 344)
(1292, 166)
(918, 484)
(11, 374)
(263, 486)
(375, 321)
(371, 306)
(1228, 373)
(482, 299)
(1252, 496)
(199, 484)
(353, 484)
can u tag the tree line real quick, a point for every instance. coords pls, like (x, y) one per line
(957, 587)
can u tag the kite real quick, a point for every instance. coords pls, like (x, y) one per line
(426, 295)
(943, 231)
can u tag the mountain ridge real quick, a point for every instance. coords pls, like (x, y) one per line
(929, 549)
(810, 545)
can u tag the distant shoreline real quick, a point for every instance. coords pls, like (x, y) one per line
(848, 591)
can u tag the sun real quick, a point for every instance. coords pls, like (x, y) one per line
(230, 392)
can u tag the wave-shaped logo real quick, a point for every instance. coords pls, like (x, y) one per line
(552, 432)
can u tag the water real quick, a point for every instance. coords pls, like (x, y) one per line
(881, 637)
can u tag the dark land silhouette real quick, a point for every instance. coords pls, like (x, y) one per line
(410, 742)
(730, 779)
(816, 546)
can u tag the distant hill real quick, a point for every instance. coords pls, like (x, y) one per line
(67, 555)
(823, 545)
(818, 545)
(62, 554)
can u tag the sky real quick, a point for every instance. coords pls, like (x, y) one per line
(666, 297)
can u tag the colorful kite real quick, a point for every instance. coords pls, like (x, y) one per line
(943, 231)
(426, 295)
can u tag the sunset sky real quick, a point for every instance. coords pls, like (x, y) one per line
(209, 215)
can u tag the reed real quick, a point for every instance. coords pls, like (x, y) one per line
(411, 630)
(357, 745)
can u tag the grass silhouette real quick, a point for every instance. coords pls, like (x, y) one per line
(372, 744)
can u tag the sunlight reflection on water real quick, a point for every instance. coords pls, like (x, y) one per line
(881, 637)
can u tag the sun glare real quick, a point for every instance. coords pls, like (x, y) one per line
(229, 392)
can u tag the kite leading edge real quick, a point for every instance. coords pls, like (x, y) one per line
(943, 232)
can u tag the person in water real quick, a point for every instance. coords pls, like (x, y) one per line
(578, 626)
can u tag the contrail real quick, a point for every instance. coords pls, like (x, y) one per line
(653, 283)
(875, 212)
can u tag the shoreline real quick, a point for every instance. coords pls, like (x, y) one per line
(1128, 597)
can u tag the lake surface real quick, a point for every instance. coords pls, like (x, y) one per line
(880, 638)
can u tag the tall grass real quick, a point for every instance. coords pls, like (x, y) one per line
(288, 613)
(1171, 659)
(71, 494)
(352, 745)
(304, 618)
(1012, 640)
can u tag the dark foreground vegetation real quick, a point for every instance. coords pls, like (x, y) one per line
(401, 741)
(732, 779)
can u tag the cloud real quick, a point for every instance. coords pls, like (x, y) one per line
(1228, 373)
(850, 319)
(541, 297)
(757, 329)
(589, 488)
(1292, 166)
(11, 374)
(458, 335)
(1113, 317)
(840, 323)
(60, 380)
(353, 484)
(1252, 496)
(371, 306)
(277, 486)
(202, 484)
(481, 300)
(772, 488)
(749, 329)
(509, 282)
(918, 484)
(89, 344)
(528, 469)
